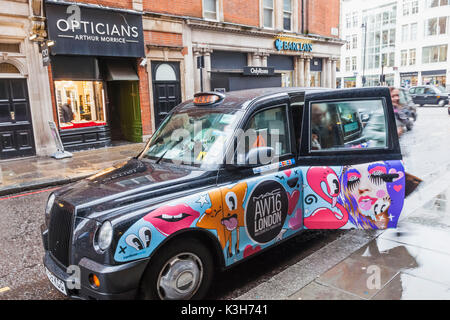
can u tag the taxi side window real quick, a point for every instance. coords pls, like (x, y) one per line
(347, 125)
(269, 128)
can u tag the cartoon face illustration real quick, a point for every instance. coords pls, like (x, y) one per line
(169, 219)
(226, 214)
(366, 192)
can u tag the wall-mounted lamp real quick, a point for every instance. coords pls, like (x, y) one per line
(50, 43)
(33, 36)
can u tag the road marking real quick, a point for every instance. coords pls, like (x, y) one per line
(5, 289)
(28, 194)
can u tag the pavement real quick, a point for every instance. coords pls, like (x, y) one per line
(407, 263)
(38, 172)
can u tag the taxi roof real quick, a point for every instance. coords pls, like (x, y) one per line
(241, 99)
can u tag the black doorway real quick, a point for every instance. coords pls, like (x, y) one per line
(166, 88)
(16, 130)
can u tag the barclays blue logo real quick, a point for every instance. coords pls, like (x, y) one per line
(292, 46)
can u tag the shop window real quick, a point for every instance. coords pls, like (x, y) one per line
(165, 72)
(80, 104)
(210, 9)
(8, 68)
(268, 13)
(338, 125)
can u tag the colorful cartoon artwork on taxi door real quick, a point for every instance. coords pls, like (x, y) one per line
(226, 215)
(374, 201)
(361, 196)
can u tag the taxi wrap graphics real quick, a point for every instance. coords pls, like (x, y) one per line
(254, 214)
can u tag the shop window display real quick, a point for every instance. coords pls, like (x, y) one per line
(80, 104)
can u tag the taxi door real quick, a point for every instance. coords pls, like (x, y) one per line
(353, 173)
(261, 205)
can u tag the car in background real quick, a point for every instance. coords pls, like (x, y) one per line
(422, 95)
(407, 103)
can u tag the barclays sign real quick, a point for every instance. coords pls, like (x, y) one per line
(292, 46)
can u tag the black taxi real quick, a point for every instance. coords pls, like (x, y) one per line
(225, 177)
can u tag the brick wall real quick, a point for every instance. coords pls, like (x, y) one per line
(144, 97)
(191, 8)
(322, 16)
(241, 12)
(163, 38)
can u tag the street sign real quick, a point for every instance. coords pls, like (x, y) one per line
(45, 54)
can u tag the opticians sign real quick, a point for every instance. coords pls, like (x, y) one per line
(84, 30)
(282, 44)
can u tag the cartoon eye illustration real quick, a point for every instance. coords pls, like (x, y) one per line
(333, 184)
(146, 235)
(231, 201)
(134, 242)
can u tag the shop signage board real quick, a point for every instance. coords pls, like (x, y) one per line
(259, 71)
(60, 152)
(45, 54)
(86, 30)
(288, 44)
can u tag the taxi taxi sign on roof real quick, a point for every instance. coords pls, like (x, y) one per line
(207, 98)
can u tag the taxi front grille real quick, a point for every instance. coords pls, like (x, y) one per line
(59, 233)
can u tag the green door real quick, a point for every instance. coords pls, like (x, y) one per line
(126, 96)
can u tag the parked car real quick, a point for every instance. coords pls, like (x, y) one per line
(422, 95)
(224, 178)
(408, 104)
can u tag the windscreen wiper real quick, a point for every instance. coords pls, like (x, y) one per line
(172, 146)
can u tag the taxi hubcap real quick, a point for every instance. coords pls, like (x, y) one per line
(180, 277)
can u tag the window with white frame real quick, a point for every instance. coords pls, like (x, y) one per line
(287, 15)
(347, 44)
(406, 5)
(210, 9)
(412, 57)
(354, 64)
(354, 41)
(437, 3)
(415, 6)
(268, 14)
(436, 26)
(348, 21)
(434, 54)
(405, 29)
(403, 58)
(413, 31)
(347, 64)
(355, 19)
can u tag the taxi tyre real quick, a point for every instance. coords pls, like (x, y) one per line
(441, 103)
(188, 249)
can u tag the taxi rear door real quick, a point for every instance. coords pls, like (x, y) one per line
(353, 173)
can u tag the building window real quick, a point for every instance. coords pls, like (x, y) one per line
(415, 7)
(287, 15)
(347, 64)
(437, 3)
(434, 54)
(355, 19)
(347, 44)
(354, 41)
(403, 58)
(10, 47)
(410, 7)
(436, 26)
(406, 7)
(348, 21)
(412, 57)
(8, 68)
(210, 9)
(405, 33)
(354, 64)
(80, 104)
(268, 14)
(414, 31)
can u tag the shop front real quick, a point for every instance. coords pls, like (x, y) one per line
(434, 77)
(408, 79)
(350, 82)
(94, 75)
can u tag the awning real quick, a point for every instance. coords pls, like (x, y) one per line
(117, 70)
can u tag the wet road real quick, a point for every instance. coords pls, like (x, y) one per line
(426, 154)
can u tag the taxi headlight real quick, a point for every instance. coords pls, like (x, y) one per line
(105, 235)
(48, 208)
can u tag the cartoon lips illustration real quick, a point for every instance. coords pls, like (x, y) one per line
(169, 219)
(366, 202)
(230, 223)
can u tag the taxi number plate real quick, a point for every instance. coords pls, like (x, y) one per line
(59, 284)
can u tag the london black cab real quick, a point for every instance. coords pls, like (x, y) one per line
(225, 177)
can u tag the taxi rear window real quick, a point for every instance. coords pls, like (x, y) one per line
(346, 125)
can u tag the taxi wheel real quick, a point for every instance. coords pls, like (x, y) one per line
(181, 271)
